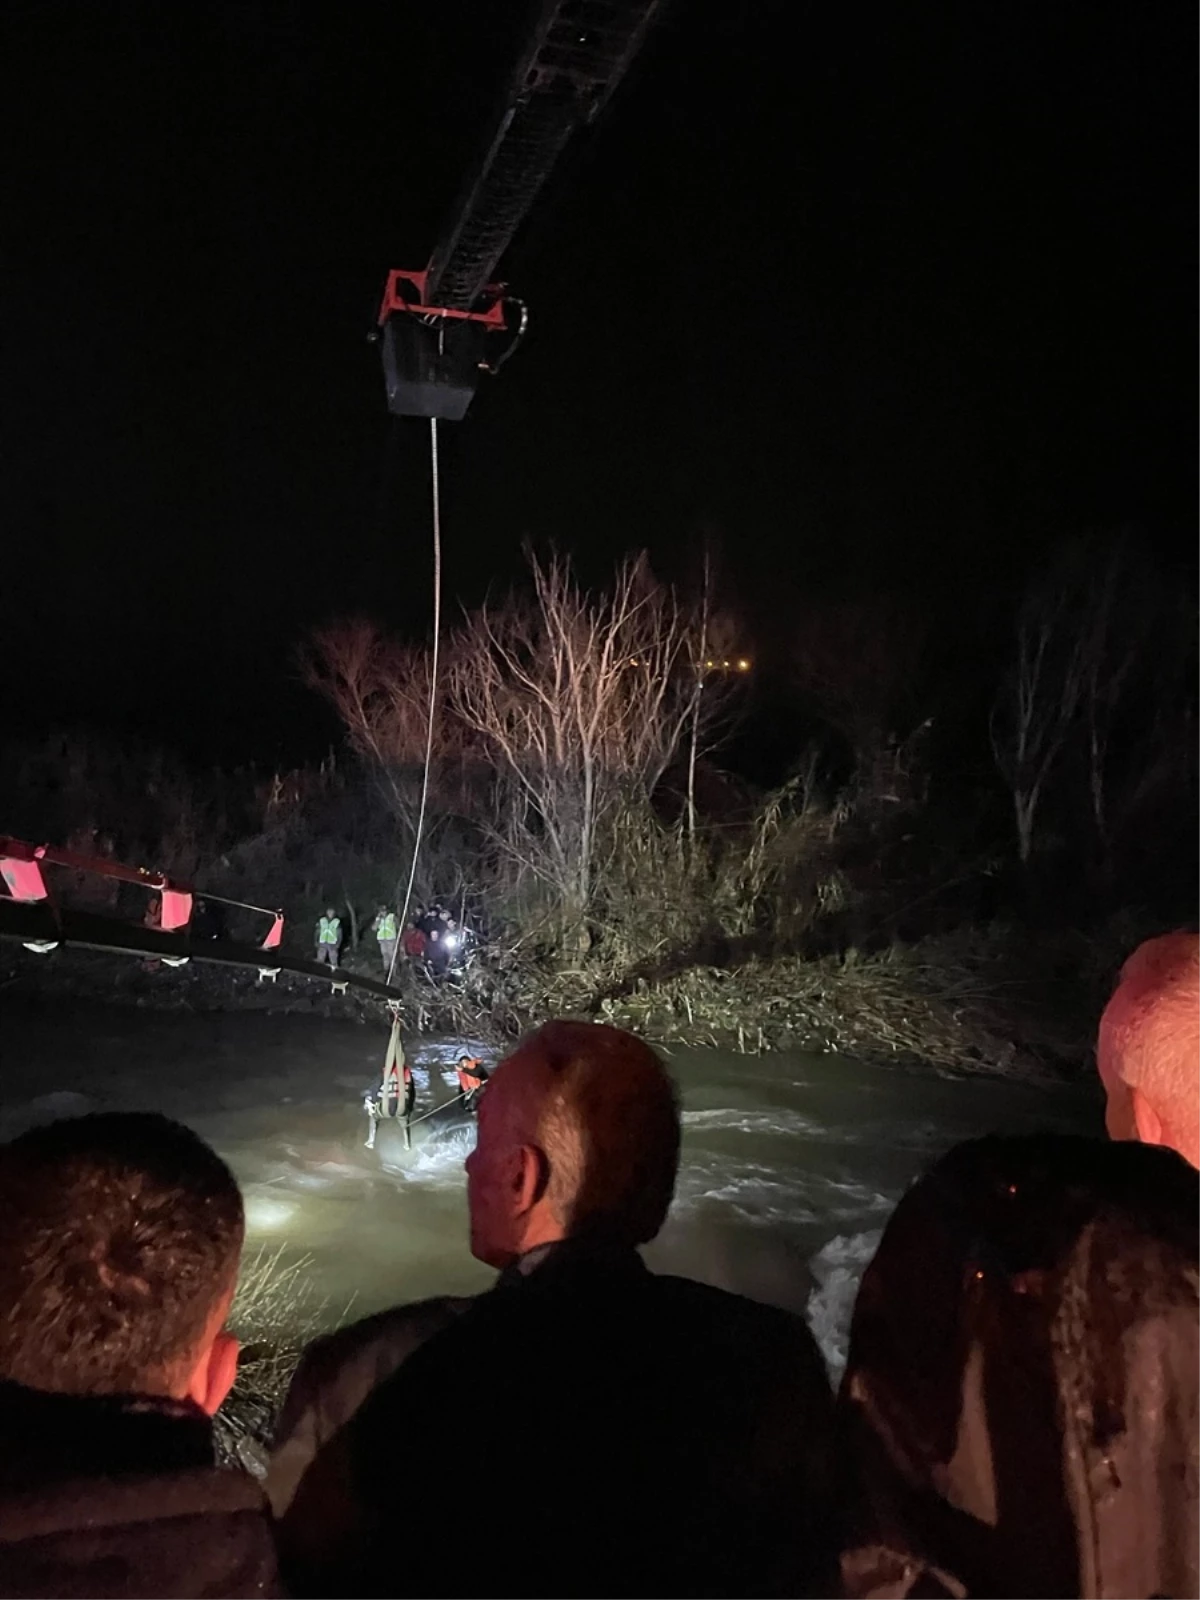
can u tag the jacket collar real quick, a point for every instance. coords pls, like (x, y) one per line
(54, 1436)
(572, 1255)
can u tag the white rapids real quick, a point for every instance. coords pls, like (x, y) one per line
(790, 1163)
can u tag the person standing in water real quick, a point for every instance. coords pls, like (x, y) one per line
(472, 1075)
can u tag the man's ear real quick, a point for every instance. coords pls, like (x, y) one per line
(1146, 1120)
(532, 1176)
(214, 1374)
(1118, 1110)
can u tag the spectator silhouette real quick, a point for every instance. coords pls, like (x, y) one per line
(1020, 1402)
(120, 1237)
(334, 1376)
(623, 1433)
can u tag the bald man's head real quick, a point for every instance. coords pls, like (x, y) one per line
(578, 1136)
(1148, 1050)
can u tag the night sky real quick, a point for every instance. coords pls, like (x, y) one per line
(877, 298)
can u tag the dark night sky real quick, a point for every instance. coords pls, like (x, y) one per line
(880, 296)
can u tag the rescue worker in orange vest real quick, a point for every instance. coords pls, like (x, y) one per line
(472, 1075)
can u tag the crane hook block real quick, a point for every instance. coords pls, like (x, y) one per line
(433, 355)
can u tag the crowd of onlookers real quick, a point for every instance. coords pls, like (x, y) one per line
(431, 937)
(1018, 1415)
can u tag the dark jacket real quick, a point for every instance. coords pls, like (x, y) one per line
(120, 1497)
(335, 1375)
(1021, 1396)
(623, 1433)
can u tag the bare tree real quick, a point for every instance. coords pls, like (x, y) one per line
(1140, 715)
(858, 662)
(1089, 676)
(380, 690)
(714, 670)
(581, 698)
(1110, 651)
(698, 657)
(1038, 704)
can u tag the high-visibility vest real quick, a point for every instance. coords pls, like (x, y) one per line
(329, 930)
(387, 926)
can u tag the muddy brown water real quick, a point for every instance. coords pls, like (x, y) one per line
(791, 1162)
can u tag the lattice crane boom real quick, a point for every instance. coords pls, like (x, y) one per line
(439, 326)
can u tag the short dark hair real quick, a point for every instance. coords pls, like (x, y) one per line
(611, 1129)
(119, 1234)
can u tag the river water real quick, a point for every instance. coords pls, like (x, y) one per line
(791, 1162)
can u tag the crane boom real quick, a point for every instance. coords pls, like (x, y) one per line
(436, 324)
(575, 56)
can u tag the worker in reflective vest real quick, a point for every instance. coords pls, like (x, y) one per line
(472, 1075)
(329, 937)
(384, 929)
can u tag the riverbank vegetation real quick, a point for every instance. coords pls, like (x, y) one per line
(276, 1312)
(965, 835)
